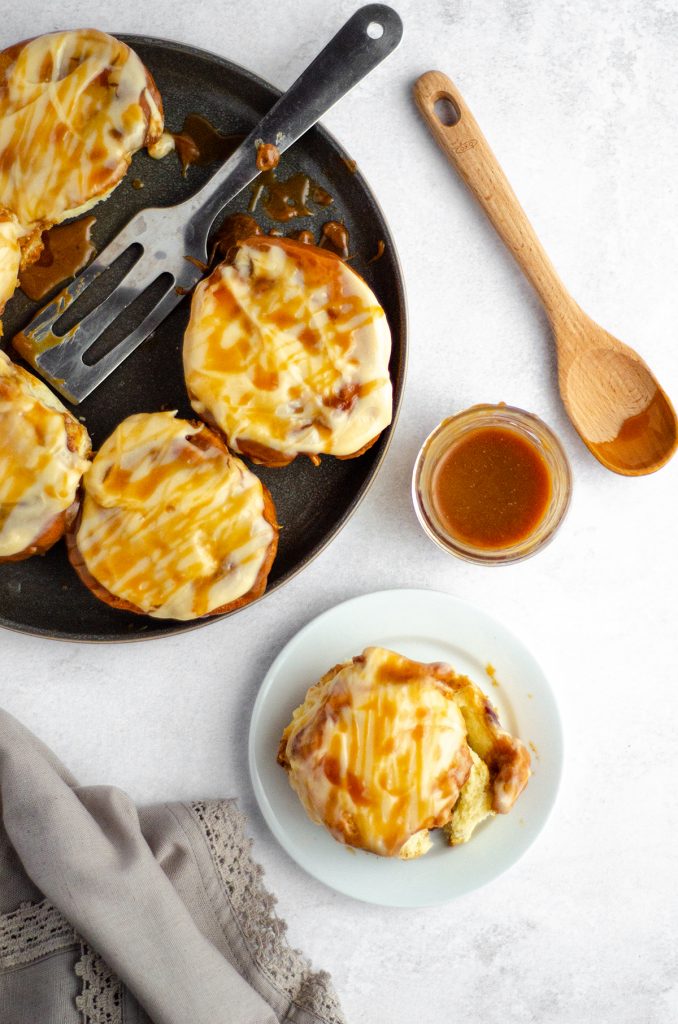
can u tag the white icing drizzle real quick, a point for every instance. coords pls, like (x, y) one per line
(10, 258)
(39, 474)
(378, 751)
(174, 530)
(74, 107)
(288, 348)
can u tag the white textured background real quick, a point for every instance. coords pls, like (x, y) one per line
(579, 101)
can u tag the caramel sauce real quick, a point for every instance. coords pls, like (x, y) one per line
(197, 263)
(379, 253)
(630, 450)
(234, 229)
(334, 236)
(67, 249)
(200, 143)
(320, 195)
(492, 673)
(287, 198)
(350, 165)
(268, 157)
(492, 488)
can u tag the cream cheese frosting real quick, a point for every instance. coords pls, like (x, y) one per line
(288, 348)
(175, 529)
(10, 258)
(378, 751)
(74, 107)
(39, 474)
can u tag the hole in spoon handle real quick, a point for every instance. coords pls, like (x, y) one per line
(447, 111)
(446, 114)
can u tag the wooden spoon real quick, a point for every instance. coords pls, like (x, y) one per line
(613, 399)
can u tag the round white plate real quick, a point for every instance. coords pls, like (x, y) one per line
(427, 626)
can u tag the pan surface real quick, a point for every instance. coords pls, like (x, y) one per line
(43, 596)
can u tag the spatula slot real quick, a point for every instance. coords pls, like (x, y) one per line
(128, 319)
(99, 290)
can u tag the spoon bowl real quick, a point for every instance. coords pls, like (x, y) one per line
(614, 401)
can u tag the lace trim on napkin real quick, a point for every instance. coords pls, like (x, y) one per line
(35, 930)
(223, 826)
(32, 931)
(100, 1001)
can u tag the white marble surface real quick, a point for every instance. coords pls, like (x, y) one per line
(579, 101)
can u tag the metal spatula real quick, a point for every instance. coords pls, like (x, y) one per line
(173, 239)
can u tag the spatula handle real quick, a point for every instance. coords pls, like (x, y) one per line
(457, 133)
(368, 37)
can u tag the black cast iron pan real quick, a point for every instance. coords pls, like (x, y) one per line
(43, 596)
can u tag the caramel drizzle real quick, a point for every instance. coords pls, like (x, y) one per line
(334, 236)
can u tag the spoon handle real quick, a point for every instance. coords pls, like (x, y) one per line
(457, 133)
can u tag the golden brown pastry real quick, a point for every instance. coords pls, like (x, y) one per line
(172, 525)
(382, 747)
(287, 353)
(74, 107)
(43, 454)
(507, 759)
(473, 806)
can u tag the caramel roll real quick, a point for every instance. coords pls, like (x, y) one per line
(43, 455)
(287, 353)
(74, 107)
(172, 525)
(378, 751)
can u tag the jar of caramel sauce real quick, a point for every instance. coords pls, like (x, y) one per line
(491, 484)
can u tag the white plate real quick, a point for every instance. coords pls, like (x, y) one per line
(427, 626)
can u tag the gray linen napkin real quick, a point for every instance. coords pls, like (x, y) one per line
(113, 915)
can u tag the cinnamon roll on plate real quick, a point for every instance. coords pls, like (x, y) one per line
(385, 749)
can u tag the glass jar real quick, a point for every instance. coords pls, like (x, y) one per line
(531, 430)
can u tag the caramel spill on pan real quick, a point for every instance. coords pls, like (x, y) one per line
(67, 249)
